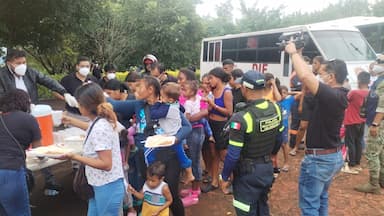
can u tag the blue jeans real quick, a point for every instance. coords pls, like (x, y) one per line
(185, 162)
(14, 196)
(195, 143)
(316, 174)
(108, 199)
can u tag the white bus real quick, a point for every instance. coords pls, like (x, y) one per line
(371, 27)
(258, 50)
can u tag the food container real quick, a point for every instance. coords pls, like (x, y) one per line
(43, 115)
(56, 116)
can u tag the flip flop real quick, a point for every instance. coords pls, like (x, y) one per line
(285, 169)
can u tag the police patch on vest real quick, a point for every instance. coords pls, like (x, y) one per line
(269, 124)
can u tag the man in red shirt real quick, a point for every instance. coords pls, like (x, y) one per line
(354, 124)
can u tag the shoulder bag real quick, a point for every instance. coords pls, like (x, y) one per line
(80, 182)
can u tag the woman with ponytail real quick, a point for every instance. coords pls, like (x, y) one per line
(101, 152)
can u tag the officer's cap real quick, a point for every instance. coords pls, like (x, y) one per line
(252, 79)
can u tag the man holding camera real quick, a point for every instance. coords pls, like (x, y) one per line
(323, 158)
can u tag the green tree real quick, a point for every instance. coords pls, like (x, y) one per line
(169, 29)
(223, 23)
(378, 8)
(47, 30)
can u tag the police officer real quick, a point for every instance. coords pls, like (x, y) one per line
(252, 134)
(375, 141)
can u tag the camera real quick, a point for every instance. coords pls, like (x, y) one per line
(299, 38)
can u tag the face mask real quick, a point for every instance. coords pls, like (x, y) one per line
(321, 79)
(378, 69)
(21, 69)
(84, 71)
(111, 76)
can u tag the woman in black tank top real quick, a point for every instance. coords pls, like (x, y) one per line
(220, 109)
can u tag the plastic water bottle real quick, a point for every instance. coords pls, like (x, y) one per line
(158, 130)
(210, 95)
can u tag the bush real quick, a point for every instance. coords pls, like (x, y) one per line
(44, 92)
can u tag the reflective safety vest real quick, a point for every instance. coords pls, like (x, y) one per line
(264, 122)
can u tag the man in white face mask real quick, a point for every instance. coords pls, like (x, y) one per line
(74, 80)
(109, 74)
(16, 74)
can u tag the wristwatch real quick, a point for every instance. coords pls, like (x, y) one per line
(374, 124)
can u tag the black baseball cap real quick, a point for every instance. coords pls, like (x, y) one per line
(252, 79)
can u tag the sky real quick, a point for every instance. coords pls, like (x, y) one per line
(207, 7)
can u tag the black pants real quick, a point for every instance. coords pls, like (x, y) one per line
(172, 175)
(353, 136)
(251, 185)
(295, 123)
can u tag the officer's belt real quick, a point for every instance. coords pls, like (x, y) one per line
(257, 160)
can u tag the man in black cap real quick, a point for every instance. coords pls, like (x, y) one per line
(252, 135)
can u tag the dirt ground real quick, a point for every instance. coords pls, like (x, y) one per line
(343, 200)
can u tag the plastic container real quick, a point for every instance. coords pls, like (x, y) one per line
(56, 116)
(43, 115)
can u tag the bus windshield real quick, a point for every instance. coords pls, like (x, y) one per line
(344, 45)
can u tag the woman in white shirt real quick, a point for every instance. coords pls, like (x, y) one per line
(101, 152)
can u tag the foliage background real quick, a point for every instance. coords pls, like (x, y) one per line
(54, 33)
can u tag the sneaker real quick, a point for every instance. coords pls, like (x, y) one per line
(276, 172)
(357, 168)
(187, 192)
(346, 169)
(190, 200)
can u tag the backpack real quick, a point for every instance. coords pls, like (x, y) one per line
(368, 109)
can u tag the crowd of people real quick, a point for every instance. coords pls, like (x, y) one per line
(228, 128)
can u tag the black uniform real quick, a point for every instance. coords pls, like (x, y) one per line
(252, 134)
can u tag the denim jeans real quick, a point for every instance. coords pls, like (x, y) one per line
(14, 196)
(108, 199)
(195, 143)
(316, 174)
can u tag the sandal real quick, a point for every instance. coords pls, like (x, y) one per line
(207, 179)
(292, 153)
(209, 188)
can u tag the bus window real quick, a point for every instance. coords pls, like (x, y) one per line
(310, 49)
(247, 55)
(205, 51)
(286, 71)
(211, 51)
(217, 51)
(374, 35)
(344, 45)
(271, 55)
(230, 49)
